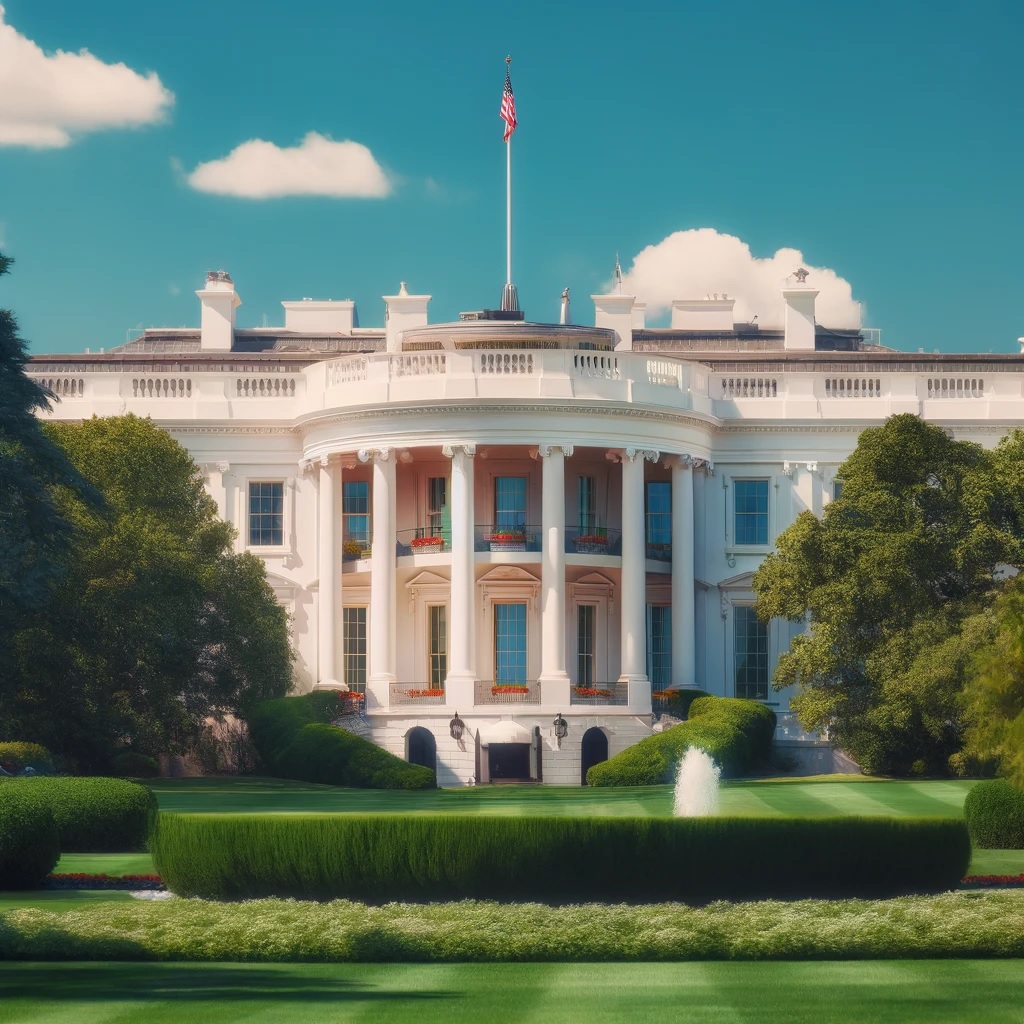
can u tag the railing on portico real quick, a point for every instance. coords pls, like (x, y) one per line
(486, 691)
(415, 694)
(423, 541)
(659, 552)
(490, 537)
(615, 695)
(592, 540)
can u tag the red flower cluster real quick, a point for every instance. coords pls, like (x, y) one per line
(426, 542)
(994, 880)
(424, 693)
(350, 695)
(510, 688)
(83, 876)
(592, 538)
(590, 691)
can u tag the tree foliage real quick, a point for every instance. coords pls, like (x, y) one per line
(894, 579)
(156, 623)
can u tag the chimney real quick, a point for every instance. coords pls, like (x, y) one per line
(313, 316)
(799, 297)
(616, 312)
(218, 301)
(403, 312)
(714, 313)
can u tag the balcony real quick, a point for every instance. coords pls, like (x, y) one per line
(489, 692)
(659, 552)
(606, 695)
(423, 541)
(592, 540)
(490, 537)
(416, 694)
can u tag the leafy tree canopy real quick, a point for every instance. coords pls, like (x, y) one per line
(157, 624)
(895, 578)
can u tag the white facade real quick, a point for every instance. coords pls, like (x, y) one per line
(601, 496)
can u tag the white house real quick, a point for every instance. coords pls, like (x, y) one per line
(526, 528)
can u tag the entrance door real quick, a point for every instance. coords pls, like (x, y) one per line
(509, 761)
(422, 748)
(594, 751)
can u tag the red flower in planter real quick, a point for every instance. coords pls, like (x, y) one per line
(426, 542)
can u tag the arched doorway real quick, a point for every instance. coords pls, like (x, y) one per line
(421, 748)
(594, 751)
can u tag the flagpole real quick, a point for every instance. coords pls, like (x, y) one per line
(509, 298)
(508, 212)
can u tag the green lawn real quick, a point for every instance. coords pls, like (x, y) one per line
(937, 992)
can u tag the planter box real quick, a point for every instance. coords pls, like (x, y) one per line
(590, 548)
(427, 549)
(508, 545)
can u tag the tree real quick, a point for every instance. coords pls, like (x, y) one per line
(157, 624)
(895, 578)
(34, 535)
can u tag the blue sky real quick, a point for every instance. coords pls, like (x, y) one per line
(881, 140)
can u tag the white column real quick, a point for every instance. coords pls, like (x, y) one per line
(554, 680)
(215, 478)
(684, 629)
(327, 569)
(382, 581)
(634, 579)
(461, 628)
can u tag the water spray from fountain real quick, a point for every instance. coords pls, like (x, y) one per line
(696, 792)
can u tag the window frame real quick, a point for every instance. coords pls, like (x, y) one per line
(346, 533)
(437, 659)
(765, 516)
(661, 659)
(349, 657)
(266, 481)
(505, 519)
(524, 653)
(744, 613)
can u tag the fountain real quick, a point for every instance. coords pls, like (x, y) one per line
(696, 793)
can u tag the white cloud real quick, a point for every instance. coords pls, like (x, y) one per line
(48, 99)
(318, 166)
(701, 261)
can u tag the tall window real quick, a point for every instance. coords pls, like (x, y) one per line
(659, 645)
(585, 645)
(659, 515)
(751, 654)
(266, 514)
(438, 517)
(586, 505)
(438, 653)
(751, 498)
(353, 640)
(510, 643)
(837, 489)
(355, 510)
(510, 502)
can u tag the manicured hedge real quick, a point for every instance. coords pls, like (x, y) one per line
(385, 857)
(16, 756)
(93, 815)
(994, 811)
(295, 741)
(28, 839)
(736, 733)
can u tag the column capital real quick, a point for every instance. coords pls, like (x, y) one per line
(544, 450)
(214, 467)
(468, 448)
(706, 464)
(373, 454)
(789, 468)
(643, 454)
(681, 461)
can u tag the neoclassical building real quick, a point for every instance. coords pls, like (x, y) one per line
(513, 536)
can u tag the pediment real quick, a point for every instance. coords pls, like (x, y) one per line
(508, 574)
(428, 579)
(744, 581)
(593, 579)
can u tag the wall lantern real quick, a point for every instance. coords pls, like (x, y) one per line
(456, 727)
(561, 727)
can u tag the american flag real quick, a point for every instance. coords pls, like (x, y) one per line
(508, 107)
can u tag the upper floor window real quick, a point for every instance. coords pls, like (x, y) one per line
(355, 510)
(438, 650)
(751, 498)
(751, 650)
(585, 616)
(510, 502)
(266, 514)
(659, 517)
(837, 489)
(586, 504)
(438, 515)
(659, 645)
(353, 646)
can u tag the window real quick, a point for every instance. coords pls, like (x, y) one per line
(509, 502)
(510, 643)
(751, 511)
(438, 651)
(355, 511)
(659, 645)
(837, 489)
(266, 514)
(353, 639)
(659, 518)
(439, 520)
(751, 647)
(585, 644)
(586, 505)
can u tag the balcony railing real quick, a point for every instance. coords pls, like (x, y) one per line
(489, 692)
(490, 537)
(592, 540)
(423, 541)
(614, 695)
(659, 552)
(406, 694)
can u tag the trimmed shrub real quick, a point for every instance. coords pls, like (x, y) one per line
(679, 701)
(385, 857)
(132, 765)
(16, 757)
(29, 847)
(295, 741)
(994, 811)
(93, 815)
(737, 734)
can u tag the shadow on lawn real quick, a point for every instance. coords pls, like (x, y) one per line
(159, 982)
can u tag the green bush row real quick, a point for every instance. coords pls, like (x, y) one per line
(92, 815)
(29, 848)
(965, 925)
(737, 734)
(16, 756)
(295, 741)
(386, 857)
(994, 812)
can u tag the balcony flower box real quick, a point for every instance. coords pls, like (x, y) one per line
(424, 694)
(510, 690)
(508, 540)
(592, 544)
(592, 691)
(427, 545)
(352, 550)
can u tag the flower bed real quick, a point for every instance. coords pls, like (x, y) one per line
(986, 881)
(84, 880)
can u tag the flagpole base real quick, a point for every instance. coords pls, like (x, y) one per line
(510, 298)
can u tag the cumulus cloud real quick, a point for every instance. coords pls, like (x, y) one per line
(695, 263)
(46, 99)
(318, 166)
